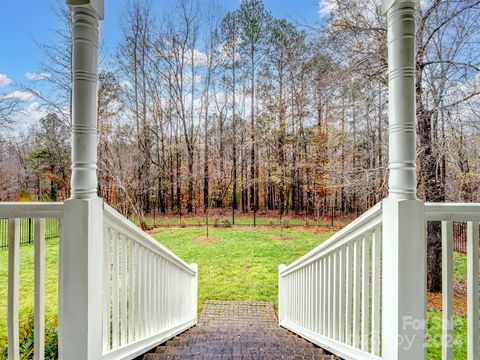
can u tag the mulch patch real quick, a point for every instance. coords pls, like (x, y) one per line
(204, 239)
(280, 237)
(434, 301)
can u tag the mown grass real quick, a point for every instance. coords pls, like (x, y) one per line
(26, 288)
(434, 336)
(242, 264)
(235, 264)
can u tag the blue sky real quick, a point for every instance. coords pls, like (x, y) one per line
(24, 23)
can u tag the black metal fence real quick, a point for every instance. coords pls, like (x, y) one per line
(52, 230)
(460, 237)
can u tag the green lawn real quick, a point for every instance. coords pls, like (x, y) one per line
(26, 283)
(241, 264)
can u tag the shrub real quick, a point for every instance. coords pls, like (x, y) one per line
(183, 223)
(226, 223)
(166, 222)
(26, 340)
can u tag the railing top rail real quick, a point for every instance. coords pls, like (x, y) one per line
(452, 211)
(355, 228)
(41, 210)
(113, 217)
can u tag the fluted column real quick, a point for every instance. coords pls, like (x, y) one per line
(401, 81)
(404, 247)
(86, 16)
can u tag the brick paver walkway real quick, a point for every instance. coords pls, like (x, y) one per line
(238, 330)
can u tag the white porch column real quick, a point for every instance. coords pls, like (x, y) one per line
(81, 249)
(404, 246)
(86, 17)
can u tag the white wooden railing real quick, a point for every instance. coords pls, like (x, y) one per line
(39, 212)
(149, 293)
(447, 214)
(331, 296)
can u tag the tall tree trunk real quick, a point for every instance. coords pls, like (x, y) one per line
(434, 188)
(252, 134)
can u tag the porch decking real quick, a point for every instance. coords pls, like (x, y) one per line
(238, 330)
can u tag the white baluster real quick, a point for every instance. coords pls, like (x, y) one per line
(341, 318)
(131, 292)
(281, 294)
(13, 279)
(316, 299)
(107, 283)
(156, 294)
(356, 293)
(318, 279)
(115, 292)
(124, 294)
(138, 294)
(349, 295)
(329, 282)
(472, 290)
(143, 303)
(447, 290)
(163, 302)
(376, 290)
(39, 306)
(310, 297)
(336, 298)
(325, 296)
(365, 292)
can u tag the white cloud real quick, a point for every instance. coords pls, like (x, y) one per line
(4, 80)
(199, 57)
(326, 7)
(37, 76)
(20, 95)
(30, 115)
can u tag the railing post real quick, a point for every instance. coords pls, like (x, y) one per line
(404, 285)
(81, 245)
(404, 246)
(195, 292)
(80, 280)
(281, 298)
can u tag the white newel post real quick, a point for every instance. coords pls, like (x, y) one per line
(80, 275)
(281, 295)
(404, 246)
(195, 293)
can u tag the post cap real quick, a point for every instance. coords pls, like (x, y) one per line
(387, 4)
(96, 5)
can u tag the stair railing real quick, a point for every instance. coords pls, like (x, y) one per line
(149, 293)
(331, 296)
